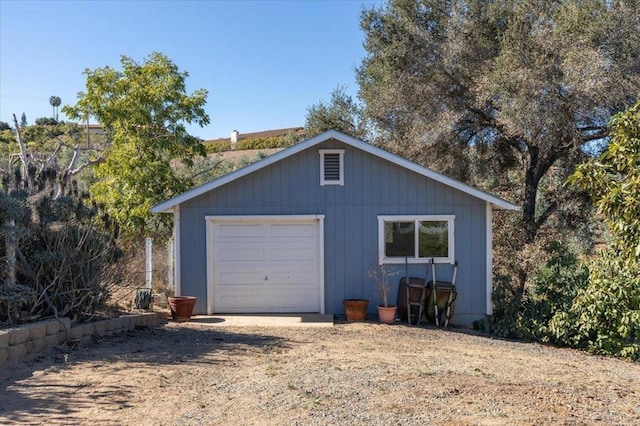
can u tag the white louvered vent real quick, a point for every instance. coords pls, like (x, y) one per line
(331, 167)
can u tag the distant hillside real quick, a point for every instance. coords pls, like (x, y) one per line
(267, 139)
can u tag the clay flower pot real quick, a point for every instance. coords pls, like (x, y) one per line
(181, 307)
(387, 315)
(355, 309)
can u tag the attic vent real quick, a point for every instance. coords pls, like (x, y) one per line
(331, 167)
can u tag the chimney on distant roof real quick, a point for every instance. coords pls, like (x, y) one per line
(234, 138)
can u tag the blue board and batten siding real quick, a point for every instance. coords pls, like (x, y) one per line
(373, 186)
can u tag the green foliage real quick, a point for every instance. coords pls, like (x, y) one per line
(341, 113)
(6, 138)
(552, 289)
(507, 309)
(254, 143)
(46, 121)
(23, 120)
(144, 109)
(604, 317)
(613, 181)
(217, 147)
(4, 126)
(262, 143)
(530, 83)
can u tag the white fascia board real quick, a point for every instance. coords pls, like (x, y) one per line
(496, 202)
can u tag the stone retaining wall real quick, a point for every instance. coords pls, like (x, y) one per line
(29, 339)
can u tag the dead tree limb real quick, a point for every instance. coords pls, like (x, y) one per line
(24, 156)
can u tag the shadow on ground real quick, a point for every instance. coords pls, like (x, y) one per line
(36, 390)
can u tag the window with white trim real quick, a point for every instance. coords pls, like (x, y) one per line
(416, 239)
(332, 167)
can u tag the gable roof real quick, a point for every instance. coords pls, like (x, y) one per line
(496, 202)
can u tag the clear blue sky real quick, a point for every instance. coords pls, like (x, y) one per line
(263, 62)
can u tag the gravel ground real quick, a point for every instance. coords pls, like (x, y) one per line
(192, 374)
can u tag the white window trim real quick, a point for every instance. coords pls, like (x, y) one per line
(382, 259)
(324, 182)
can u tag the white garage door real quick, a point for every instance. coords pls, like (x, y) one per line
(266, 266)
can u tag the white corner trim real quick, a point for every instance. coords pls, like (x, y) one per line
(489, 257)
(321, 261)
(209, 253)
(176, 251)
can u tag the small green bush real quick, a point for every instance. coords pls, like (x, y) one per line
(217, 147)
(255, 143)
(261, 143)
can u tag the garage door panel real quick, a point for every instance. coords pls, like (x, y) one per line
(233, 277)
(274, 303)
(270, 278)
(292, 252)
(236, 252)
(303, 231)
(240, 230)
(271, 269)
(299, 279)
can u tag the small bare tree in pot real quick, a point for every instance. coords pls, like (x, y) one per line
(382, 275)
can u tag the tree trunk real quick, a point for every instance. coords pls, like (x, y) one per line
(531, 184)
(537, 168)
(10, 243)
(24, 157)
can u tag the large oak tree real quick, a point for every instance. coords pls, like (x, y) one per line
(531, 83)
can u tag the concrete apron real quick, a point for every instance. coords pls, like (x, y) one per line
(265, 320)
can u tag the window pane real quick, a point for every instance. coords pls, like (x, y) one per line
(399, 238)
(433, 239)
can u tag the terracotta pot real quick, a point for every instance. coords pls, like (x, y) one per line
(355, 309)
(387, 315)
(181, 307)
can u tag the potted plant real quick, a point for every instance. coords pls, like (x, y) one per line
(355, 309)
(381, 274)
(181, 307)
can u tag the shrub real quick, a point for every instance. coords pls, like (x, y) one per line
(65, 259)
(217, 147)
(261, 143)
(551, 288)
(604, 317)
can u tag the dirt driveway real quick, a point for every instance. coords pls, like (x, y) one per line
(348, 374)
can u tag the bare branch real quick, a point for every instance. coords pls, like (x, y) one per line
(24, 157)
(85, 165)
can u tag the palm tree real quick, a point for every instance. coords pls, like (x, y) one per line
(55, 102)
